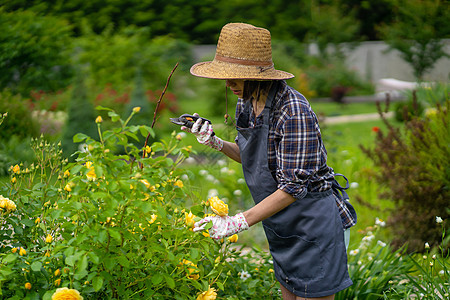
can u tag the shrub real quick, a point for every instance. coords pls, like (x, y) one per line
(80, 117)
(19, 121)
(116, 227)
(35, 52)
(413, 164)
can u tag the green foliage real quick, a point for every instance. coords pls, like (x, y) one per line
(330, 27)
(413, 164)
(80, 116)
(115, 58)
(332, 78)
(419, 26)
(374, 266)
(116, 227)
(34, 52)
(19, 121)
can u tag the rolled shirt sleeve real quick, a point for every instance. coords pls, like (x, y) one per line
(300, 155)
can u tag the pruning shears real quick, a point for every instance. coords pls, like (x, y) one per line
(188, 120)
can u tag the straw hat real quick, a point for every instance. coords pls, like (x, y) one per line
(243, 52)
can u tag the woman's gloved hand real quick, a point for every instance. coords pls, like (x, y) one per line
(223, 226)
(204, 134)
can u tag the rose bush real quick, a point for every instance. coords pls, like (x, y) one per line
(116, 226)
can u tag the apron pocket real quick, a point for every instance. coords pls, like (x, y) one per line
(297, 258)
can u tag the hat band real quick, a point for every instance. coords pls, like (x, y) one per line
(243, 61)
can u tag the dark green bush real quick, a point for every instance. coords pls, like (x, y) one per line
(80, 117)
(19, 121)
(35, 52)
(413, 164)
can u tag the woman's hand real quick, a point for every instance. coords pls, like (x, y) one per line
(204, 134)
(223, 226)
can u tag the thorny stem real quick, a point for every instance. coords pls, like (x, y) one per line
(156, 109)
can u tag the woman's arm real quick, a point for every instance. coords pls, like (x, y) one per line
(272, 204)
(231, 150)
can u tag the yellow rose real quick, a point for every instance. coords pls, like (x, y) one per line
(192, 269)
(146, 183)
(136, 109)
(28, 286)
(66, 294)
(58, 283)
(218, 206)
(66, 173)
(14, 250)
(22, 251)
(98, 119)
(178, 183)
(189, 219)
(91, 176)
(57, 272)
(16, 169)
(233, 238)
(67, 188)
(210, 294)
(152, 218)
(48, 239)
(37, 221)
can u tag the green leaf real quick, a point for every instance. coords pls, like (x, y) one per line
(156, 279)
(94, 258)
(9, 258)
(99, 107)
(123, 261)
(82, 264)
(36, 266)
(114, 234)
(169, 280)
(97, 283)
(114, 117)
(70, 260)
(79, 137)
(194, 253)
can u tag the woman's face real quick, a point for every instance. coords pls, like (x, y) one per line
(236, 86)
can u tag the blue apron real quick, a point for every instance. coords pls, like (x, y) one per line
(306, 239)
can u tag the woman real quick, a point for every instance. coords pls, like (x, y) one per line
(279, 145)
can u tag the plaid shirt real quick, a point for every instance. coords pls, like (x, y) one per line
(296, 153)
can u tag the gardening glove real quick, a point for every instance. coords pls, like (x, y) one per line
(223, 226)
(204, 134)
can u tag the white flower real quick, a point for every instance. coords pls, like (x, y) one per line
(354, 252)
(224, 170)
(190, 160)
(441, 272)
(380, 222)
(381, 243)
(237, 193)
(182, 134)
(427, 246)
(347, 162)
(438, 220)
(241, 181)
(210, 177)
(185, 177)
(344, 152)
(203, 172)
(84, 148)
(245, 275)
(368, 238)
(434, 256)
(213, 193)
(221, 162)
(354, 185)
(359, 262)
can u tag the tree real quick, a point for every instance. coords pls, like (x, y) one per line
(80, 117)
(417, 31)
(34, 52)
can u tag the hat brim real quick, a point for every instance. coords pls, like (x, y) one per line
(224, 70)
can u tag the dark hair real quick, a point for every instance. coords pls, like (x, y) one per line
(251, 86)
